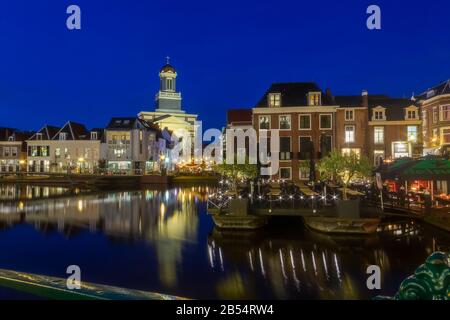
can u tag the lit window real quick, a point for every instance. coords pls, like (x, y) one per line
(264, 122)
(274, 100)
(379, 134)
(412, 133)
(325, 121)
(57, 152)
(349, 115)
(350, 151)
(304, 122)
(378, 157)
(445, 113)
(349, 134)
(285, 122)
(314, 99)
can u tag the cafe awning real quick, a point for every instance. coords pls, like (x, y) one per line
(426, 168)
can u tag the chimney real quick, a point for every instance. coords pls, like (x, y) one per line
(328, 94)
(365, 99)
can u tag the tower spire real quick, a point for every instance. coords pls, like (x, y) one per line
(167, 60)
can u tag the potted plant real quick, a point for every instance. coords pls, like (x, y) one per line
(343, 169)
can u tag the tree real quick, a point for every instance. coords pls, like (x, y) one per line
(343, 168)
(236, 172)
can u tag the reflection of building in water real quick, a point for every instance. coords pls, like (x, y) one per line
(23, 192)
(167, 219)
(317, 266)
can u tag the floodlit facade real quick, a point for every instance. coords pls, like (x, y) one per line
(69, 149)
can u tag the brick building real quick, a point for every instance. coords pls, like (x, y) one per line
(305, 118)
(435, 108)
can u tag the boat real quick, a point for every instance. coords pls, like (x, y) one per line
(342, 226)
(230, 221)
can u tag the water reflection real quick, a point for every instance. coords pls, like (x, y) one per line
(172, 247)
(317, 266)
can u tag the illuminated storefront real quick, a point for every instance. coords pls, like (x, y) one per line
(401, 149)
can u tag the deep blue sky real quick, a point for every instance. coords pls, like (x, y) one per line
(226, 53)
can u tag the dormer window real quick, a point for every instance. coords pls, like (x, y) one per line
(38, 136)
(274, 100)
(411, 114)
(378, 114)
(63, 136)
(94, 135)
(11, 138)
(314, 99)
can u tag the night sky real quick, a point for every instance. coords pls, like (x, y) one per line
(227, 53)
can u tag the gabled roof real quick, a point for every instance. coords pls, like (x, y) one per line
(74, 131)
(440, 89)
(47, 131)
(239, 116)
(293, 94)
(22, 135)
(395, 107)
(130, 123)
(5, 133)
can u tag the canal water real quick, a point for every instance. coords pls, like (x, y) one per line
(164, 241)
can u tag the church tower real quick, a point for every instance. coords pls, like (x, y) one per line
(167, 99)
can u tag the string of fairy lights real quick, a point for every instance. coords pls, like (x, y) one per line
(223, 194)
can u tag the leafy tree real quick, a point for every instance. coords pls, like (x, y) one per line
(236, 172)
(343, 168)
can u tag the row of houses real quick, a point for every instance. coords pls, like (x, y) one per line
(312, 122)
(126, 145)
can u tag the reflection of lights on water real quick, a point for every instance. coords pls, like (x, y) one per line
(80, 205)
(251, 260)
(261, 263)
(338, 271)
(221, 259)
(314, 262)
(325, 264)
(297, 282)
(211, 262)
(162, 209)
(282, 265)
(303, 260)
